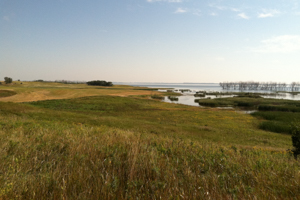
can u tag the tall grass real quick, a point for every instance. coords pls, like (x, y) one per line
(285, 108)
(278, 122)
(65, 161)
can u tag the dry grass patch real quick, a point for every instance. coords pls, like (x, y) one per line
(37, 91)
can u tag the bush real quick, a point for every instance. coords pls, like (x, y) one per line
(99, 83)
(295, 131)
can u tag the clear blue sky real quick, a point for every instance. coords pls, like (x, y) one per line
(150, 40)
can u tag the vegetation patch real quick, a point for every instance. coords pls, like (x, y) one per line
(199, 95)
(157, 96)
(283, 108)
(7, 93)
(173, 98)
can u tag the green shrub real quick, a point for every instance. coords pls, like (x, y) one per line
(295, 132)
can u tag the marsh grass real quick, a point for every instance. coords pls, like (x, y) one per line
(173, 98)
(278, 113)
(282, 108)
(199, 95)
(74, 161)
(109, 147)
(157, 117)
(157, 96)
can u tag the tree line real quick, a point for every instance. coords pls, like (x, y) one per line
(69, 82)
(252, 85)
(99, 83)
(7, 80)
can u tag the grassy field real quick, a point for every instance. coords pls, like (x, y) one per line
(89, 142)
(37, 91)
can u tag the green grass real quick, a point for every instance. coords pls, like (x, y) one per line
(59, 160)
(109, 147)
(157, 96)
(283, 108)
(146, 115)
(278, 122)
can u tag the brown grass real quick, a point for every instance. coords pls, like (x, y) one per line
(29, 91)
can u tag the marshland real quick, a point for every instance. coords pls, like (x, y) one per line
(76, 141)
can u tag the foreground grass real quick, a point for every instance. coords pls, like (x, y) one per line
(62, 161)
(110, 147)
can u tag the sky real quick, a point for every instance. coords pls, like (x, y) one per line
(169, 41)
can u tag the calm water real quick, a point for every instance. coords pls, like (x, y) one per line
(192, 86)
(188, 97)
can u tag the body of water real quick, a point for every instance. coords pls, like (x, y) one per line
(188, 98)
(191, 86)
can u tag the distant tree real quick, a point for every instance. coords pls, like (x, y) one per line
(293, 85)
(8, 80)
(99, 83)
